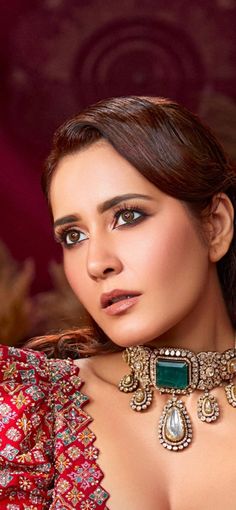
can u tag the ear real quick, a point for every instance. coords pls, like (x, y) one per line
(221, 226)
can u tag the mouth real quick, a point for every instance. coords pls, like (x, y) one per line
(118, 300)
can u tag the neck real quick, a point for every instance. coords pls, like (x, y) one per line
(217, 340)
(208, 328)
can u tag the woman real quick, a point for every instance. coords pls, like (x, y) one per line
(142, 198)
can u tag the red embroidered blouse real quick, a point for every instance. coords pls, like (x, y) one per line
(47, 455)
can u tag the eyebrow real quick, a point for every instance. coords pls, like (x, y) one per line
(101, 208)
(108, 204)
(66, 219)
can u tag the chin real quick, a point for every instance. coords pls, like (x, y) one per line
(132, 339)
(140, 333)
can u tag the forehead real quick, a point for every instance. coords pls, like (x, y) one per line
(93, 175)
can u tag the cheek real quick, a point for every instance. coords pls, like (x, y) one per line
(74, 276)
(174, 254)
(80, 283)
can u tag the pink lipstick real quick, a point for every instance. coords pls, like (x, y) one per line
(118, 301)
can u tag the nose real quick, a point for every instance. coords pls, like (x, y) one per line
(102, 260)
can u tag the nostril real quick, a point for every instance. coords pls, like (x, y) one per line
(108, 270)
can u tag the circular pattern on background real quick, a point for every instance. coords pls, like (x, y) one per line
(58, 56)
(130, 56)
(139, 56)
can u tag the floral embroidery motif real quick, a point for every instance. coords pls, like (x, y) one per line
(20, 400)
(74, 496)
(99, 495)
(87, 505)
(13, 434)
(9, 452)
(86, 437)
(5, 478)
(86, 475)
(45, 437)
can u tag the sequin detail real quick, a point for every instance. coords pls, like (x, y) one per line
(42, 419)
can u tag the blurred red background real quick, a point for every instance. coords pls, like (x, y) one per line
(57, 56)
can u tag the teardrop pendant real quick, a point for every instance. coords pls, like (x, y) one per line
(175, 429)
(230, 391)
(208, 408)
(142, 399)
(128, 383)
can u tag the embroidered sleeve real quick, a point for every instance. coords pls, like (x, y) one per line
(78, 476)
(26, 431)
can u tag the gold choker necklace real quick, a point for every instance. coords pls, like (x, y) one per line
(178, 372)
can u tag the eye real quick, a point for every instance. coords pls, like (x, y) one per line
(127, 216)
(71, 237)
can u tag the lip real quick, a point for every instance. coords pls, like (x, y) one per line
(118, 306)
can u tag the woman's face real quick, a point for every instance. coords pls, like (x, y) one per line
(132, 254)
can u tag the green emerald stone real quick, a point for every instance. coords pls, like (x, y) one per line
(172, 374)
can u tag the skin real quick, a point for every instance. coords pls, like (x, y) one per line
(160, 253)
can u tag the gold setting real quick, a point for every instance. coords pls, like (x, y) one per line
(128, 383)
(208, 408)
(183, 437)
(230, 391)
(206, 370)
(142, 399)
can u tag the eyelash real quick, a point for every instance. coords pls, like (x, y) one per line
(132, 208)
(63, 232)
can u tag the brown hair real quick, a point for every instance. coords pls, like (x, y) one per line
(170, 147)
